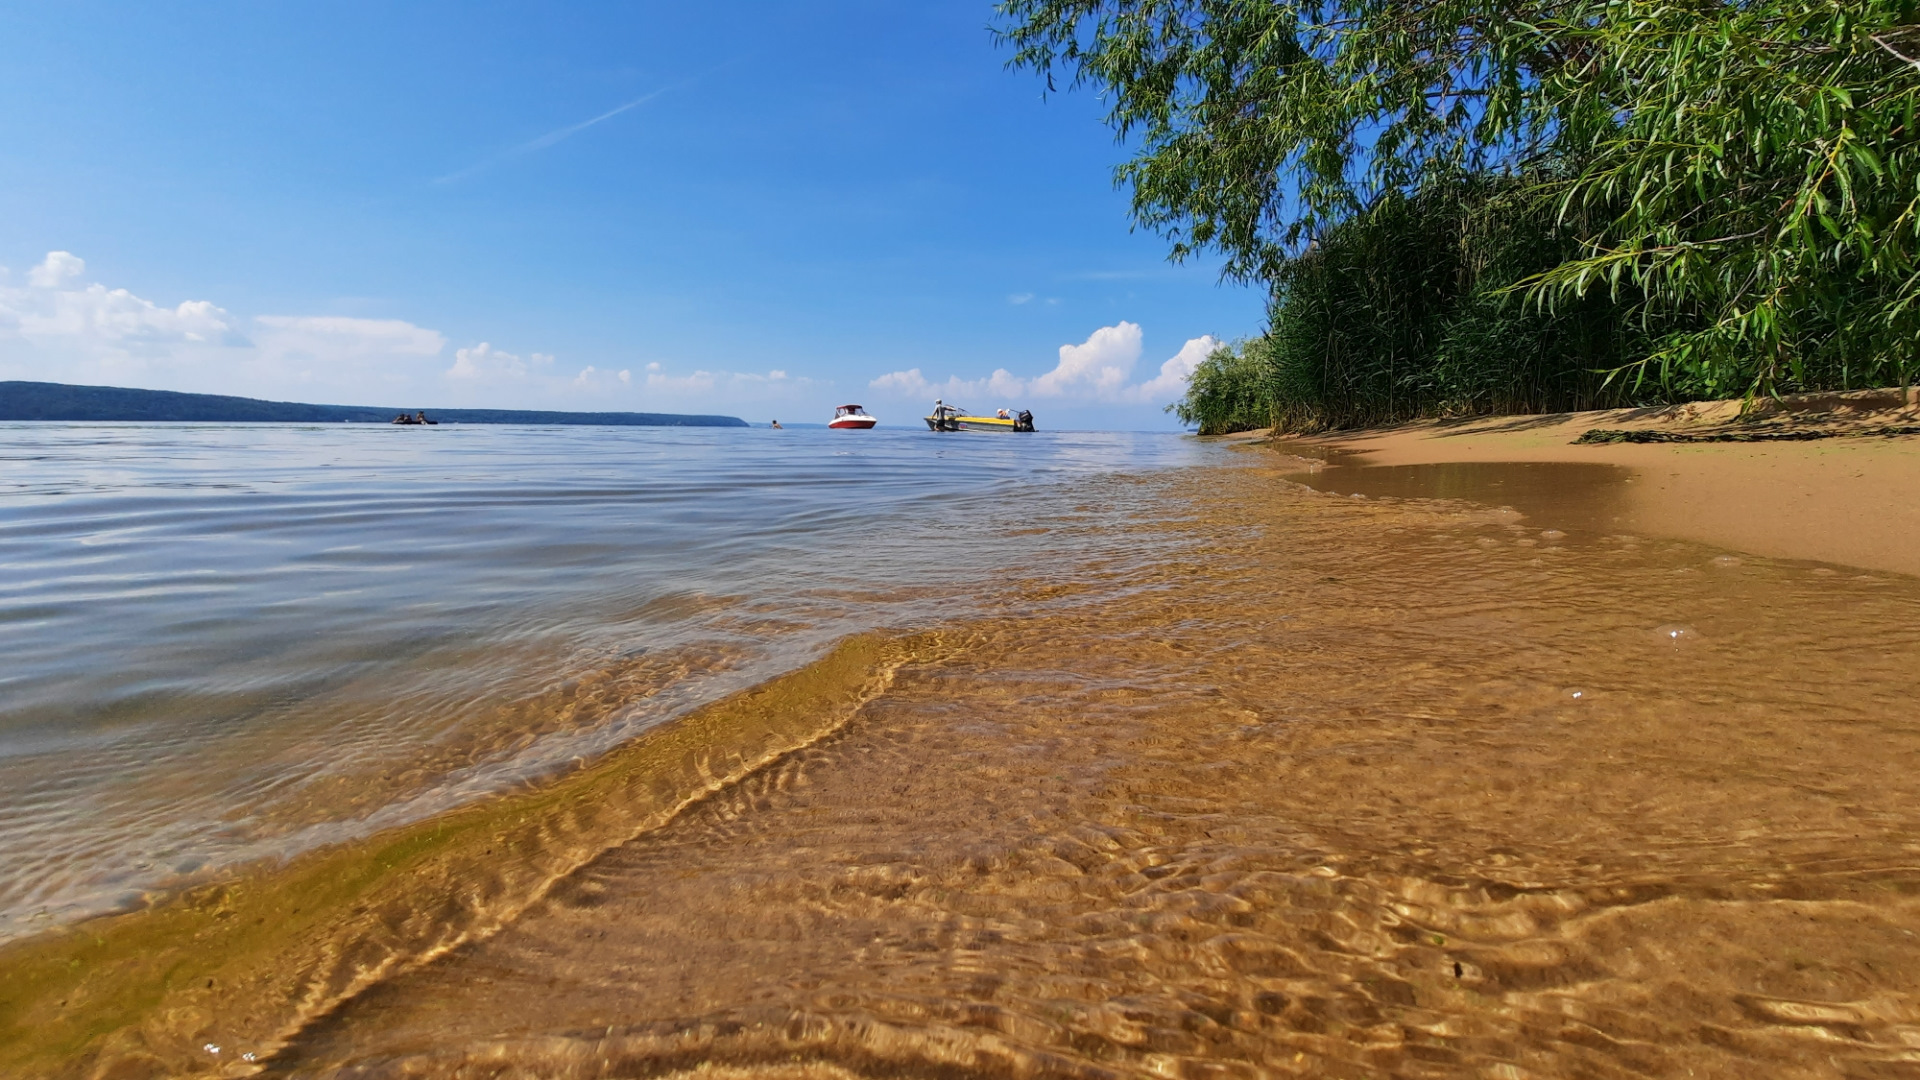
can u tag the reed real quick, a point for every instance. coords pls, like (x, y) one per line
(1413, 309)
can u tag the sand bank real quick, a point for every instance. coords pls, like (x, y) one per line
(1852, 500)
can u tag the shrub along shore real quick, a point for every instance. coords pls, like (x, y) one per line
(1474, 207)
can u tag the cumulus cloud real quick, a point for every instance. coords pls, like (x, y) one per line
(1096, 368)
(908, 383)
(56, 269)
(64, 328)
(1171, 383)
(1099, 369)
(484, 362)
(56, 324)
(56, 311)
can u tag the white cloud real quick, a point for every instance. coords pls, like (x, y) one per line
(334, 335)
(57, 325)
(66, 329)
(1096, 370)
(1097, 367)
(483, 362)
(56, 269)
(753, 384)
(58, 314)
(911, 383)
(1020, 298)
(1171, 383)
(699, 380)
(908, 383)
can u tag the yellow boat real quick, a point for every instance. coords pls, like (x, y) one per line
(947, 417)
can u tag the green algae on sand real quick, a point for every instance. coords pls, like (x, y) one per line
(211, 980)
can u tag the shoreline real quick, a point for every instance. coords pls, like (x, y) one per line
(146, 991)
(1333, 787)
(1854, 501)
(234, 965)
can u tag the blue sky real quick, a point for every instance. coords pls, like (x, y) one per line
(760, 209)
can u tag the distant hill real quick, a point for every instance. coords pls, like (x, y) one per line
(59, 401)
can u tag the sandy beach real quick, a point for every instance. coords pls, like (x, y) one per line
(1853, 498)
(1535, 761)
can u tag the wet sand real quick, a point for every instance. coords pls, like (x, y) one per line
(1851, 500)
(1318, 786)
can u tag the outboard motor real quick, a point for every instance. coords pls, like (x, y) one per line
(1023, 422)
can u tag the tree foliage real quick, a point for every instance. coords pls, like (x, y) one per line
(1733, 181)
(1259, 124)
(1229, 390)
(1763, 166)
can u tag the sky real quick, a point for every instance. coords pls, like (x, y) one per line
(764, 209)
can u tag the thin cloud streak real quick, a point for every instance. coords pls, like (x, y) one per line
(549, 139)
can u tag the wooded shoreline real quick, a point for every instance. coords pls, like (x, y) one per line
(82, 404)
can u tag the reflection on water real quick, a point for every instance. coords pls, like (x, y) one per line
(1329, 788)
(1574, 495)
(229, 642)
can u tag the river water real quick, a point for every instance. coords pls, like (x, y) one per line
(1159, 760)
(223, 643)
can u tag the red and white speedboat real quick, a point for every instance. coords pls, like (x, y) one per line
(852, 416)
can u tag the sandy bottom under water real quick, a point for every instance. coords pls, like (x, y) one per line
(1338, 787)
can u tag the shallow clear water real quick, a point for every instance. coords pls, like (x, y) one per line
(1339, 788)
(229, 642)
(1192, 772)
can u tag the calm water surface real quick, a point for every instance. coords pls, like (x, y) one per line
(229, 642)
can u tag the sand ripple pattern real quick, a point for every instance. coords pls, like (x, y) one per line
(1336, 788)
(231, 643)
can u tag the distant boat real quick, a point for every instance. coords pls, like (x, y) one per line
(947, 417)
(852, 417)
(417, 418)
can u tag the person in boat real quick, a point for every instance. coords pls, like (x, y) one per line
(1002, 414)
(420, 417)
